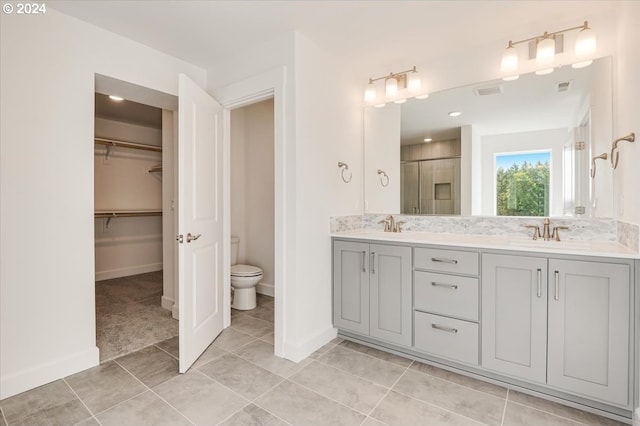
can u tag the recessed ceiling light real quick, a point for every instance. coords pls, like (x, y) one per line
(454, 113)
(428, 139)
(116, 98)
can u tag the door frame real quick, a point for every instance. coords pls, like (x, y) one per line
(266, 85)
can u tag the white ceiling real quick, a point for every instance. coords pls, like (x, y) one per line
(365, 35)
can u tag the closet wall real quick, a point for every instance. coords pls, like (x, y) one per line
(127, 245)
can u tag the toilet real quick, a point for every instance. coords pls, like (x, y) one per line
(244, 279)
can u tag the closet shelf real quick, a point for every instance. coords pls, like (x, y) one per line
(110, 143)
(125, 213)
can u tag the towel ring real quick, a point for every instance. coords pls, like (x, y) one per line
(383, 175)
(631, 137)
(345, 167)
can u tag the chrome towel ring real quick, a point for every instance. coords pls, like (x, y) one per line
(384, 178)
(345, 167)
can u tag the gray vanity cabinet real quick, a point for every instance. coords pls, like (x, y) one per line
(372, 290)
(563, 323)
(514, 315)
(589, 324)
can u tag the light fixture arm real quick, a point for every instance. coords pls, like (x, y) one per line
(546, 34)
(393, 75)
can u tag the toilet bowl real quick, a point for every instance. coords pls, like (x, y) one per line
(244, 279)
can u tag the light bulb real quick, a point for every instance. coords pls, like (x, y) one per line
(585, 42)
(509, 63)
(414, 83)
(390, 87)
(545, 52)
(370, 93)
(116, 98)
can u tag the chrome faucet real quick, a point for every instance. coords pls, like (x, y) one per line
(390, 224)
(546, 235)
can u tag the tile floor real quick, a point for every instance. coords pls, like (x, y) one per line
(238, 381)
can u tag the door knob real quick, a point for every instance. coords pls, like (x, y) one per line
(192, 237)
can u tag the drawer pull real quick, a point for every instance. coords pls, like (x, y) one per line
(441, 260)
(539, 291)
(373, 262)
(451, 286)
(556, 296)
(443, 328)
(364, 253)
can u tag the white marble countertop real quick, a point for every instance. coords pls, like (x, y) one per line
(502, 242)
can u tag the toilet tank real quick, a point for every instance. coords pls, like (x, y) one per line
(235, 245)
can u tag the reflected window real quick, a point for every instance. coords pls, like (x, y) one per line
(522, 183)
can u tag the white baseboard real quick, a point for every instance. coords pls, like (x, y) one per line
(42, 374)
(125, 272)
(167, 303)
(266, 289)
(297, 353)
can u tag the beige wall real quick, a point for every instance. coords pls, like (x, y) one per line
(252, 187)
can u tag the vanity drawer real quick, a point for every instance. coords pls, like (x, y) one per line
(459, 262)
(446, 337)
(449, 295)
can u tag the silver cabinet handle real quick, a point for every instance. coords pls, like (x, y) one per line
(557, 278)
(451, 286)
(539, 292)
(192, 237)
(373, 262)
(443, 328)
(438, 259)
(364, 253)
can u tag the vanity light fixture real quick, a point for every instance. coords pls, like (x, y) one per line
(454, 113)
(397, 88)
(428, 139)
(116, 98)
(545, 47)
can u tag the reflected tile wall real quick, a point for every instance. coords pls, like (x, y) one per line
(345, 223)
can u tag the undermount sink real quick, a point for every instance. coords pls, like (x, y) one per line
(551, 244)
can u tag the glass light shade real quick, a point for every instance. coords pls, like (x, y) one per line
(414, 83)
(370, 93)
(545, 52)
(509, 63)
(390, 87)
(585, 43)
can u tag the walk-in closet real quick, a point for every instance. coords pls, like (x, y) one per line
(133, 309)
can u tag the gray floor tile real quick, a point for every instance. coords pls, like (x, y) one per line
(400, 410)
(521, 415)
(261, 354)
(2, 422)
(150, 365)
(199, 398)
(252, 326)
(211, 353)
(326, 348)
(470, 403)
(385, 356)
(269, 338)
(264, 300)
(231, 339)
(241, 376)
(561, 410)
(370, 421)
(91, 421)
(51, 404)
(300, 406)
(144, 409)
(339, 386)
(170, 346)
(251, 415)
(262, 312)
(104, 386)
(469, 382)
(373, 369)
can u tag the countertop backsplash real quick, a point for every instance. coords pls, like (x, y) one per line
(579, 229)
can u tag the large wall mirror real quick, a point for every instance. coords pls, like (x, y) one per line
(530, 147)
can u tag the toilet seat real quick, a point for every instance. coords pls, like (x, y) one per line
(245, 271)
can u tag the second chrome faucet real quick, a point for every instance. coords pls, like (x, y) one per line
(390, 224)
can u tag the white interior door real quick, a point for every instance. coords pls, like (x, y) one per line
(200, 253)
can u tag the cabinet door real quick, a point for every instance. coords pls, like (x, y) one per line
(351, 286)
(589, 329)
(390, 283)
(514, 315)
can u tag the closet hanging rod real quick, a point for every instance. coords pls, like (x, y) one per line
(112, 214)
(125, 144)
